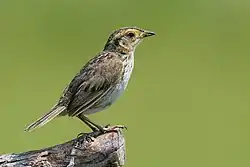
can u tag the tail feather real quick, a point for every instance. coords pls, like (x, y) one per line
(46, 118)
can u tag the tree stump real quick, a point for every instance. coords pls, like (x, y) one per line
(95, 149)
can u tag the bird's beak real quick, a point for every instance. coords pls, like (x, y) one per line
(147, 34)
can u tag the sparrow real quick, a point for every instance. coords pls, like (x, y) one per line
(100, 82)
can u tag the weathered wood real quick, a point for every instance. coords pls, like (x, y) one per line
(88, 150)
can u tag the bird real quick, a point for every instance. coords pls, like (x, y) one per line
(100, 82)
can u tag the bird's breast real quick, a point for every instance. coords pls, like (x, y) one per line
(121, 86)
(128, 68)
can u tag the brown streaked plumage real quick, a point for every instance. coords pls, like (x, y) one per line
(101, 81)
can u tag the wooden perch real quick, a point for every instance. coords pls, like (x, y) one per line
(94, 149)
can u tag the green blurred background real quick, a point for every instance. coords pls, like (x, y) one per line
(188, 102)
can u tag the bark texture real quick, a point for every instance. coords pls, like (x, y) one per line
(94, 149)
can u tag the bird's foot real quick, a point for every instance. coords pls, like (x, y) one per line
(90, 137)
(109, 128)
(99, 128)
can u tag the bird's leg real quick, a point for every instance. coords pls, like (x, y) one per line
(87, 123)
(99, 127)
(92, 125)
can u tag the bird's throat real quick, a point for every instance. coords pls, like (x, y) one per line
(118, 47)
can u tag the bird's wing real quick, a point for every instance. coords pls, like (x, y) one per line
(95, 80)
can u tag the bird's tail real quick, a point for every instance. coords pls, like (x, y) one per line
(46, 118)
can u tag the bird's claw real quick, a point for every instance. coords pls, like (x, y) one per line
(114, 128)
(108, 128)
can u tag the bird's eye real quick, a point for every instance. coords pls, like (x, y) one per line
(130, 35)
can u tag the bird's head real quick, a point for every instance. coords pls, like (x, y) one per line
(127, 38)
